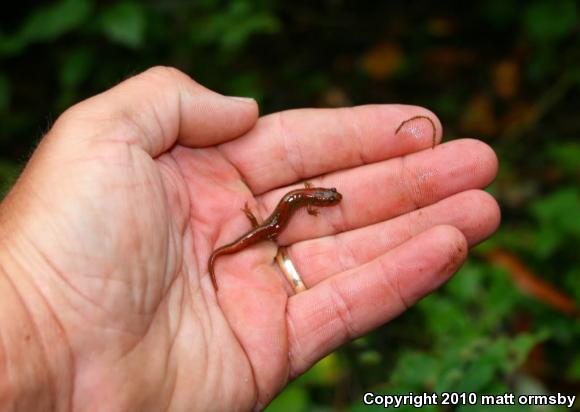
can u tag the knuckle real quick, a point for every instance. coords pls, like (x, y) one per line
(167, 76)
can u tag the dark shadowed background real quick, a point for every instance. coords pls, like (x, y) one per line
(507, 72)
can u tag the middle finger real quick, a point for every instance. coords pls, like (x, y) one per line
(380, 191)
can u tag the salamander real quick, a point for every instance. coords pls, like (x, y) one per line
(277, 221)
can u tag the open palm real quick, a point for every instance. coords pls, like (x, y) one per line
(136, 187)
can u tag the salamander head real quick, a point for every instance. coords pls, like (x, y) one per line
(327, 197)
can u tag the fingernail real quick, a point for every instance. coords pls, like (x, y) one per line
(243, 99)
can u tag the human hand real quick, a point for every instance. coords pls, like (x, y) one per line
(106, 235)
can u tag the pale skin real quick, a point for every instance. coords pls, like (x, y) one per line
(105, 298)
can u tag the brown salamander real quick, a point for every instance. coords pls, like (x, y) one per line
(273, 225)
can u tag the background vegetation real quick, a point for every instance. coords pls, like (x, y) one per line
(507, 72)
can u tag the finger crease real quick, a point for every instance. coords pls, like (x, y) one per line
(138, 130)
(346, 256)
(342, 310)
(160, 126)
(231, 163)
(294, 354)
(292, 148)
(408, 185)
(357, 134)
(390, 281)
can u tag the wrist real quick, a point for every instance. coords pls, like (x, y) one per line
(35, 366)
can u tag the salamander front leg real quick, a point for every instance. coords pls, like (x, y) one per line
(309, 208)
(250, 216)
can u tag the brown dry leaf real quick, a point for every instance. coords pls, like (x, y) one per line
(506, 78)
(334, 97)
(450, 57)
(382, 60)
(479, 117)
(531, 284)
(518, 115)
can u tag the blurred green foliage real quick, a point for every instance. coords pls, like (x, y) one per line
(505, 71)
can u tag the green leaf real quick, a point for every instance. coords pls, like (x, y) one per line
(500, 299)
(8, 174)
(326, 371)
(548, 21)
(234, 26)
(370, 357)
(76, 67)
(293, 398)
(548, 241)
(124, 23)
(476, 376)
(559, 211)
(245, 84)
(574, 368)
(416, 369)
(572, 281)
(445, 317)
(46, 24)
(520, 347)
(5, 92)
(241, 32)
(54, 21)
(542, 64)
(566, 155)
(500, 13)
(466, 285)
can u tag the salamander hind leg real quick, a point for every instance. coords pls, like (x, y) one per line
(311, 210)
(250, 216)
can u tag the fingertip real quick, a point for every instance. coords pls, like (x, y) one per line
(409, 113)
(475, 212)
(452, 242)
(489, 214)
(455, 252)
(210, 118)
(488, 157)
(429, 260)
(484, 157)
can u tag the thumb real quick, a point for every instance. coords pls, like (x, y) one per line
(158, 108)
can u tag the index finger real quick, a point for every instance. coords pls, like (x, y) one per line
(294, 145)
